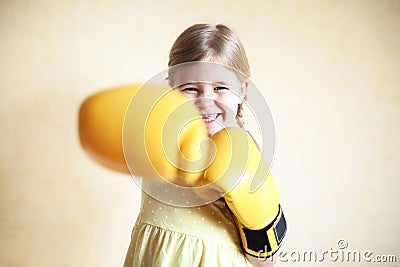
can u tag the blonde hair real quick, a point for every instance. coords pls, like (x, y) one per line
(206, 42)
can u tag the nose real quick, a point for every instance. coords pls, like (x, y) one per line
(206, 98)
(204, 102)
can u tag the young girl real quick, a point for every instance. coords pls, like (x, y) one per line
(205, 235)
(167, 235)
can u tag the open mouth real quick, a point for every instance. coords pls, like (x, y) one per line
(210, 118)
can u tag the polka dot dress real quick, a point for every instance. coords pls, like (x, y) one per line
(167, 235)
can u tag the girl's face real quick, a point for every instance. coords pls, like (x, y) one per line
(215, 90)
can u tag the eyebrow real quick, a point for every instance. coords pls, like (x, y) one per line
(215, 83)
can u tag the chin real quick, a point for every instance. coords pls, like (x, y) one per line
(210, 133)
(213, 130)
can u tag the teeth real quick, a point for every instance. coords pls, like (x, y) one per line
(210, 117)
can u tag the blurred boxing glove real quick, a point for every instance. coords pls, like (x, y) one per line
(150, 131)
(101, 117)
(241, 175)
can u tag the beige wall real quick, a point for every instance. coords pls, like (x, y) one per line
(329, 70)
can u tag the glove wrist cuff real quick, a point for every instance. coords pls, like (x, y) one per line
(266, 241)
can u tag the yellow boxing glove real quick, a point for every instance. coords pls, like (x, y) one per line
(238, 166)
(150, 131)
(101, 117)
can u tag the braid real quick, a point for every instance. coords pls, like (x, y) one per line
(239, 114)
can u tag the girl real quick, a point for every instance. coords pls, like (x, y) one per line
(166, 235)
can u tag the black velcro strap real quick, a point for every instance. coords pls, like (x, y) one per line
(265, 242)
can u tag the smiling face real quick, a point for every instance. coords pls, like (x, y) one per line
(215, 90)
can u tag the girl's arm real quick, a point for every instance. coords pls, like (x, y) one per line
(260, 263)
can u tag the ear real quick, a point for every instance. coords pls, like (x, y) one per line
(243, 89)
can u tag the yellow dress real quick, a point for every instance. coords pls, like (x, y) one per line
(166, 235)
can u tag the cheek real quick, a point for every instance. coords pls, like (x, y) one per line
(229, 103)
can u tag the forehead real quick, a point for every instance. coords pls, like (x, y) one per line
(203, 72)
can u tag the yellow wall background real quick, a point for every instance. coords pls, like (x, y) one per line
(328, 69)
